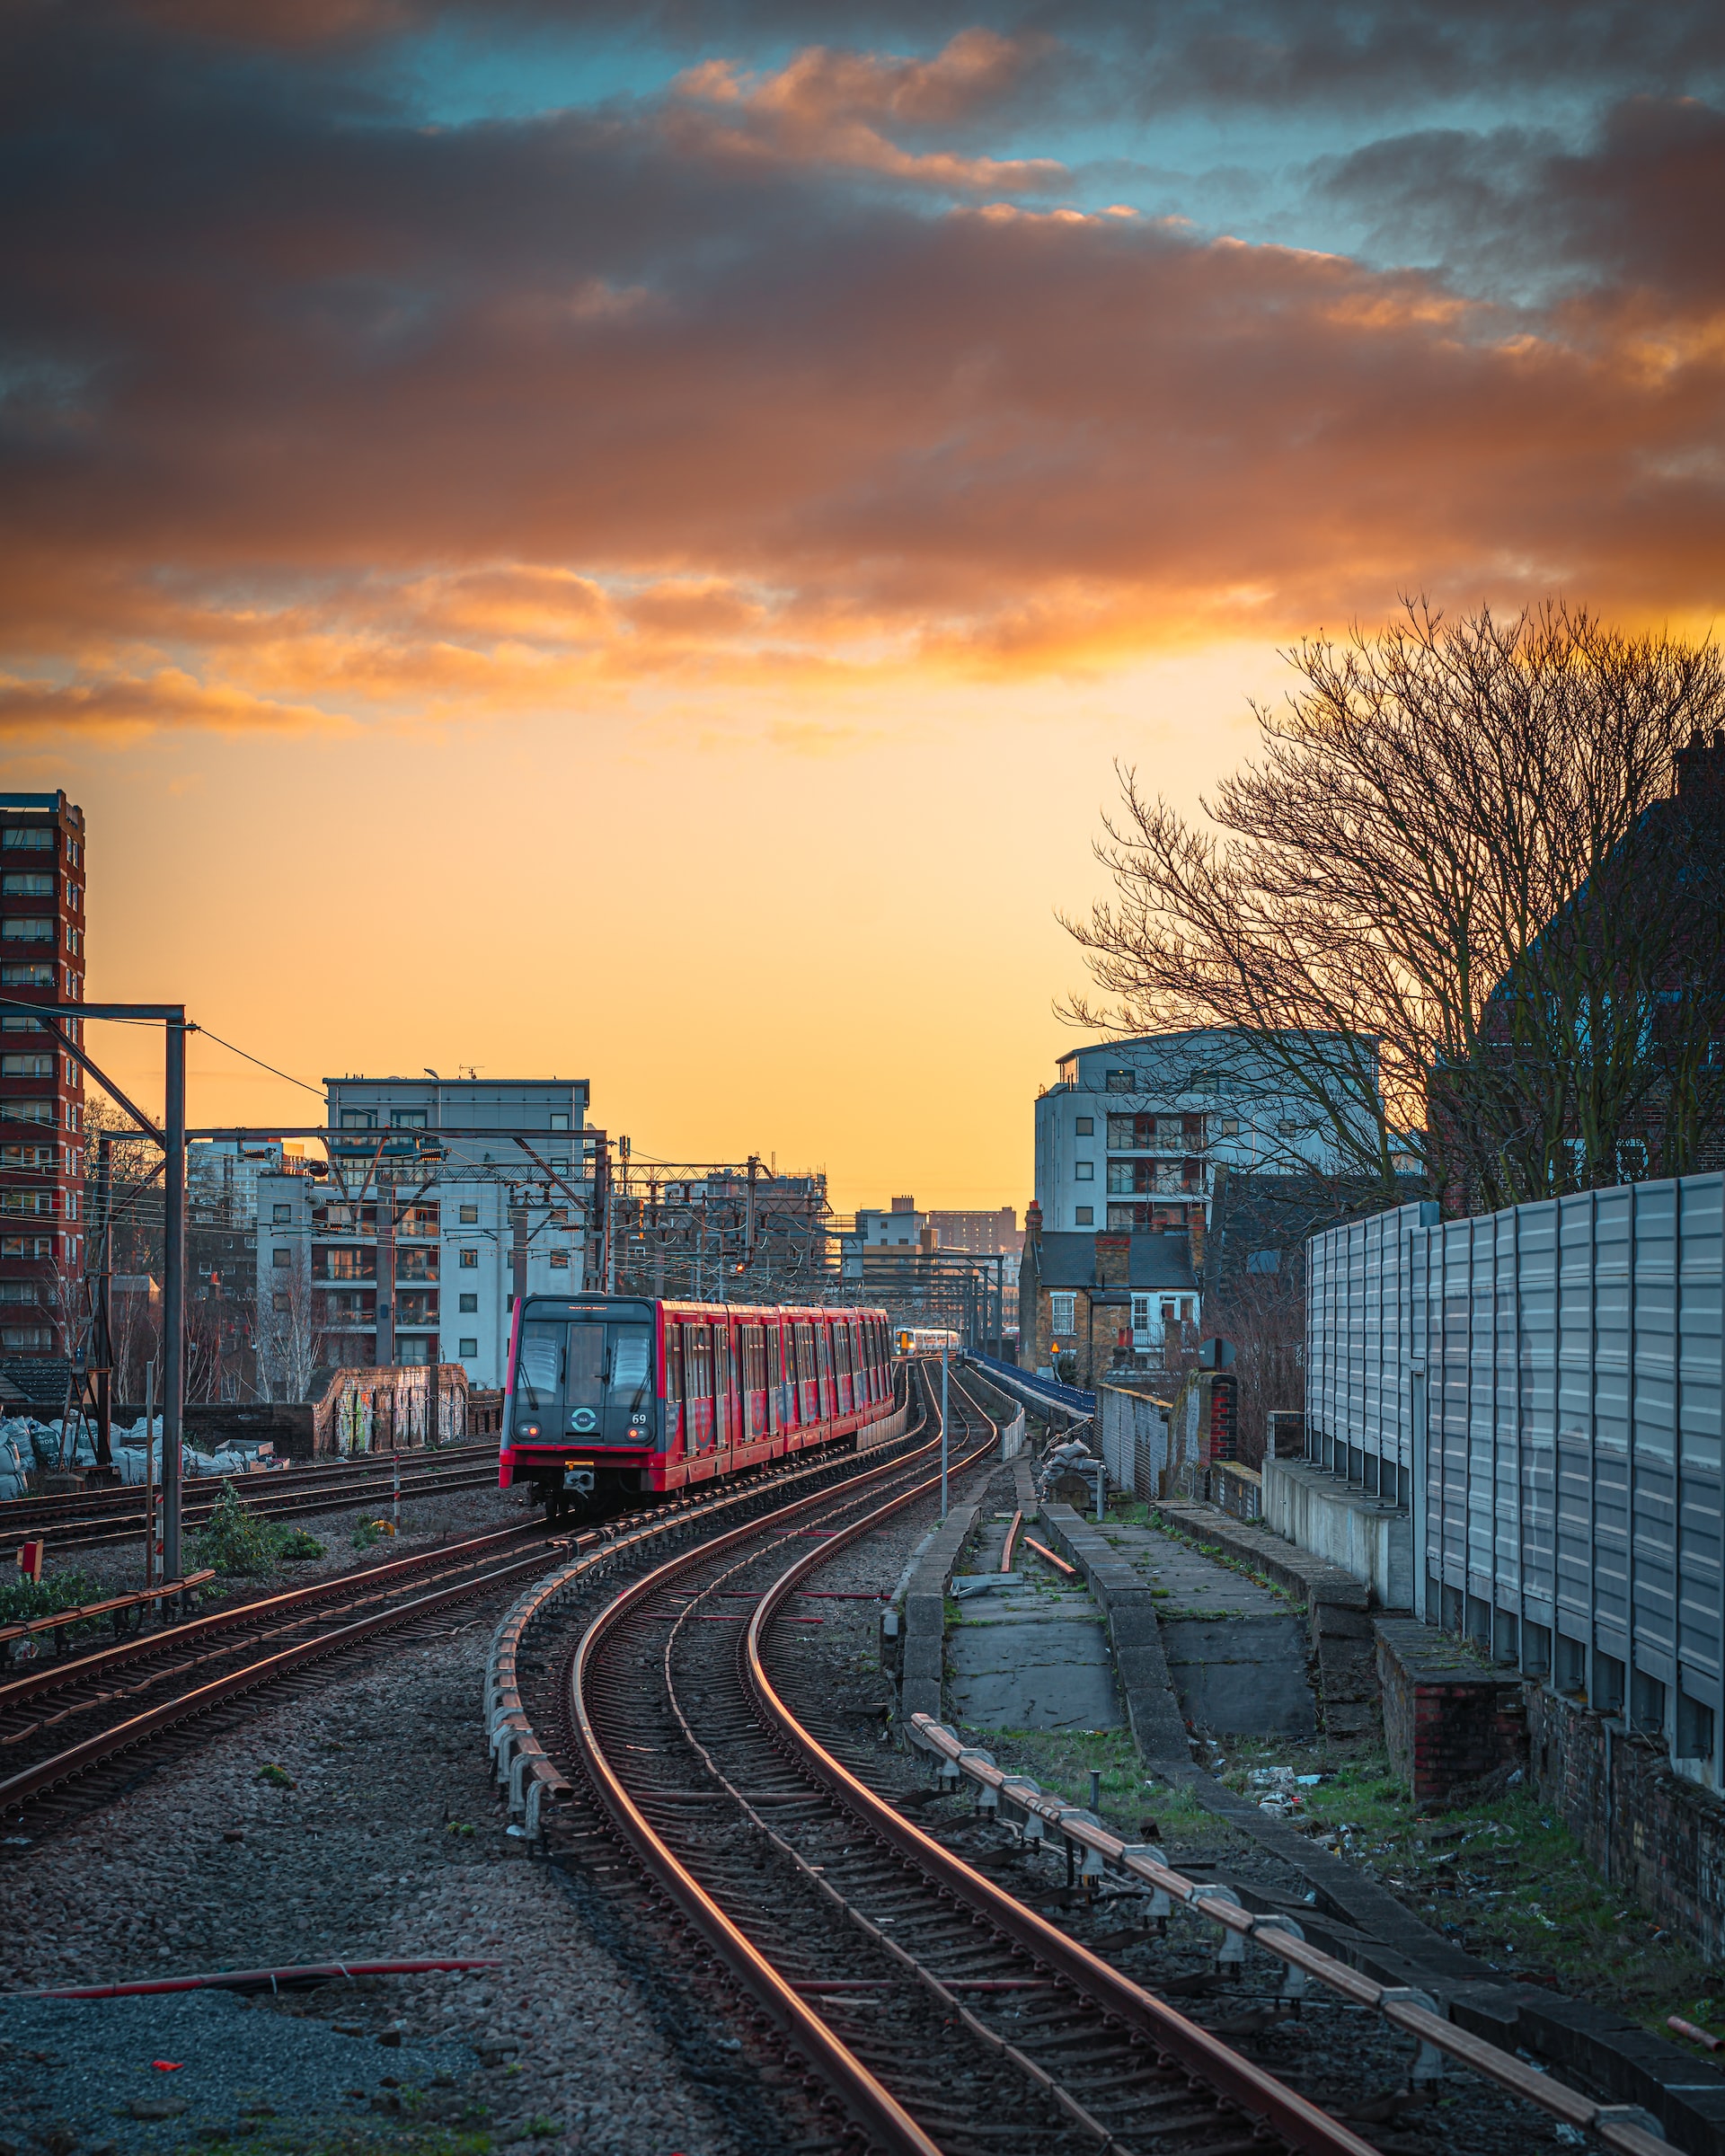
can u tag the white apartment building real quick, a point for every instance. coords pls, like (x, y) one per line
(1129, 1136)
(896, 1227)
(409, 1252)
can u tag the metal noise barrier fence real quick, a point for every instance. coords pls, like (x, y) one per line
(1020, 1803)
(1543, 1387)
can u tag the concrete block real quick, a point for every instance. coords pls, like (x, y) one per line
(1241, 1676)
(1370, 1540)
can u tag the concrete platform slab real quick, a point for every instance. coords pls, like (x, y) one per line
(1031, 1673)
(1033, 1655)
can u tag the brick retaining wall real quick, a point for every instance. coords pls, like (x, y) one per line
(1449, 1719)
(1651, 1833)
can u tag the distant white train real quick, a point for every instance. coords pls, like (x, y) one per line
(925, 1340)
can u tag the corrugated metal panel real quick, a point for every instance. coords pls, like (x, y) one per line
(1359, 1286)
(1558, 1364)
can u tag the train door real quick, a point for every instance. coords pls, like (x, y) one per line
(671, 1437)
(754, 1344)
(807, 1407)
(824, 1350)
(724, 1388)
(697, 1386)
(775, 1401)
(842, 1370)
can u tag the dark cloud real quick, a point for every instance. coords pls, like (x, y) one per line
(1634, 211)
(1153, 54)
(353, 407)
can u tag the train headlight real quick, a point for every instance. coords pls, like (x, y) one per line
(527, 1429)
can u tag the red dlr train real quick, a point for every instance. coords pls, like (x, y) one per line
(621, 1393)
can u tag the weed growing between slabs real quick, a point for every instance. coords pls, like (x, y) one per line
(1504, 1878)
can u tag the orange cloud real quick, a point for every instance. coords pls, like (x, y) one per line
(832, 108)
(535, 417)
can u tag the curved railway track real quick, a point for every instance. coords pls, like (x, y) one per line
(897, 1993)
(87, 1519)
(72, 1731)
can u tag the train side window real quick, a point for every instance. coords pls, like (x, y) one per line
(774, 1357)
(697, 1360)
(673, 1363)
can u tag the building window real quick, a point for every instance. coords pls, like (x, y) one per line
(467, 1348)
(1118, 1081)
(27, 927)
(1230, 1127)
(1140, 1316)
(560, 1260)
(1084, 1172)
(282, 1215)
(1085, 1126)
(27, 886)
(1287, 1130)
(281, 1260)
(470, 1257)
(26, 1066)
(1084, 1216)
(36, 839)
(282, 1300)
(359, 1118)
(1062, 1313)
(1202, 1082)
(469, 1306)
(559, 1120)
(407, 1119)
(470, 1216)
(27, 976)
(1263, 1261)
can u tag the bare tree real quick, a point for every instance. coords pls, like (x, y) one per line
(291, 1339)
(1450, 907)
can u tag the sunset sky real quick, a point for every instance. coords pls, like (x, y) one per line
(625, 542)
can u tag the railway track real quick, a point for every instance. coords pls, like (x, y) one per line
(85, 1519)
(895, 1992)
(74, 1730)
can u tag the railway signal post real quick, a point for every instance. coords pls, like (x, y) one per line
(943, 1448)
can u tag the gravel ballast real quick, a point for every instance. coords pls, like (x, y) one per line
(390, 1845)
(151, 2075)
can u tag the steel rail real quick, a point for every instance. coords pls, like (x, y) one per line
(59, 1675)
(870, 2102)
(86, 1519)
(1271, 1932)
(18, 1789)
(1248, 2086)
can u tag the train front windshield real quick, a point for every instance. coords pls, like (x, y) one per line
(585, 1377)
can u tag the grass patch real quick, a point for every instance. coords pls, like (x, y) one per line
(1061, 1762)
(238, 1543)
(1505, 1879)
